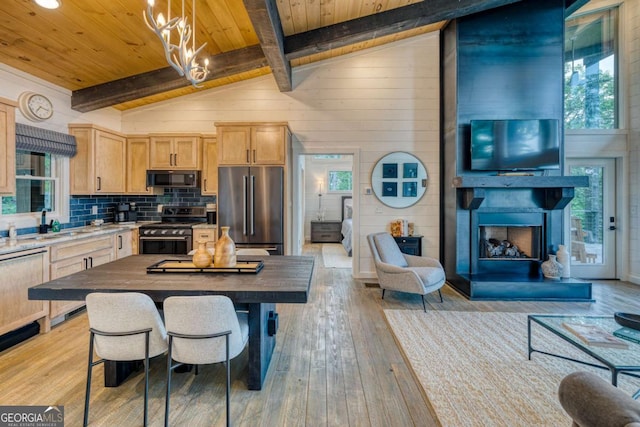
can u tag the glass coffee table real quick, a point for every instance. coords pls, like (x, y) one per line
(616, 360)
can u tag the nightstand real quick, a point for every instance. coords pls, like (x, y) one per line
(326, 231)
(410, 245)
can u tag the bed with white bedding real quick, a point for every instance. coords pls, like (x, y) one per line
(347, 224)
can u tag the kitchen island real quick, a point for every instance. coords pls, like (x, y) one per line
(284, 279)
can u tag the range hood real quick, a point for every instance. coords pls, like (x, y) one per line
(173, 178)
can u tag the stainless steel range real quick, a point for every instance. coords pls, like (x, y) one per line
(174, 234)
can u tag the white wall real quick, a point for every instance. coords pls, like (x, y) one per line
(14, 82)
(381, 100)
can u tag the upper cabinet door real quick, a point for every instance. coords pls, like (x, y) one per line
(209, 167)
(81, 165)
(268, 145)
(174, 152)
(110, 163)
(234, 145)
(137, 165)
(185, 149)
(7, 148)
(161, 153)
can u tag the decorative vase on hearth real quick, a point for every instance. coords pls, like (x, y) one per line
(225, 253)
(562, 256)
(552, 269)
(202, 257)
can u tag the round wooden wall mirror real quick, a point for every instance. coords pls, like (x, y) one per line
(399, 179)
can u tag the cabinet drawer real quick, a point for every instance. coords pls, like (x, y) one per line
(80, 247)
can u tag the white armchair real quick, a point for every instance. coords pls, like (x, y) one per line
(123, 327)
(404, 273)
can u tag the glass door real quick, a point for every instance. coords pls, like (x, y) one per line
(592, 220)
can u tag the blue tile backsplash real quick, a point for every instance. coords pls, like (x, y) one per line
(147, 206)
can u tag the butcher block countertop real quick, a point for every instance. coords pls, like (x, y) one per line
(284, 279)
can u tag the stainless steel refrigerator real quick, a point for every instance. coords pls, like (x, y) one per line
(251, 203)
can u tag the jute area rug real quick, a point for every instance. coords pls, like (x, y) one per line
(474, 369)
(335, 256)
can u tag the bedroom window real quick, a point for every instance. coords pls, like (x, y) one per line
(340, 181)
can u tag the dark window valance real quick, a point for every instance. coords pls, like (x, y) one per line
(31, 138)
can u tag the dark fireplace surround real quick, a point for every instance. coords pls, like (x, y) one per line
(501, 64)
(514, 211)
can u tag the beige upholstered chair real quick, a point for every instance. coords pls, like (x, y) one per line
(123, 327)
(252, 251)
(203, 330)
(405, 273)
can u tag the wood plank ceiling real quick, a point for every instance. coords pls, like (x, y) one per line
(104, 53)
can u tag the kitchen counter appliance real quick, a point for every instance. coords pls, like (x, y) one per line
(174, 234)
(125, 212)
(251, 203)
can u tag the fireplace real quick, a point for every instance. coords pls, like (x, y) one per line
(506, 226)
(509, 243)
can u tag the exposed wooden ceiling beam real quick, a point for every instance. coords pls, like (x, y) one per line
(276, 50)
(266, 22)
(163, 80)
(382, 24)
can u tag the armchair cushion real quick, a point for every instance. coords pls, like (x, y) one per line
(429, 275)
(593, 402)
(388, 250)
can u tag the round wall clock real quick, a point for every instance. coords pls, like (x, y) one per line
(35, 107)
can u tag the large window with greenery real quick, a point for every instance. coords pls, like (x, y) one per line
(591, 71)
(36, 184)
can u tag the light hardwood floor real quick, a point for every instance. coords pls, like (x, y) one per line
(335, 364)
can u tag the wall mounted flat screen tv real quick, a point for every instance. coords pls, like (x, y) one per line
(511, 145)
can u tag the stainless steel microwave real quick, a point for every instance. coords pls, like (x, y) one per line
(173, 178)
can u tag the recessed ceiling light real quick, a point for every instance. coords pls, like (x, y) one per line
(49, 4)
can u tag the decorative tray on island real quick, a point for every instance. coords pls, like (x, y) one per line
(186, 266)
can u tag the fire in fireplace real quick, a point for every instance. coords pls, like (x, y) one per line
(510, 242)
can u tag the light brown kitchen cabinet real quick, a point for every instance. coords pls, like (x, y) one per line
(99, 166)
(137, 165)
(7, 146)
(209, 166)
(167, 152)
(20, 271)
(123, 244)
(74, 256)
(205, 234)
(252, 143)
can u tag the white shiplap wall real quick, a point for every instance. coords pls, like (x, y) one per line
(13, 82)
(632, 9)
(381, 100)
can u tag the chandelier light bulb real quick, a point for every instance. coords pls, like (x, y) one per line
(182, 55)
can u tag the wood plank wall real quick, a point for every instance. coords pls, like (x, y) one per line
(382, 100)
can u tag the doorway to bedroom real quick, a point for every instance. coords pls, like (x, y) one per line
(327, 208)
